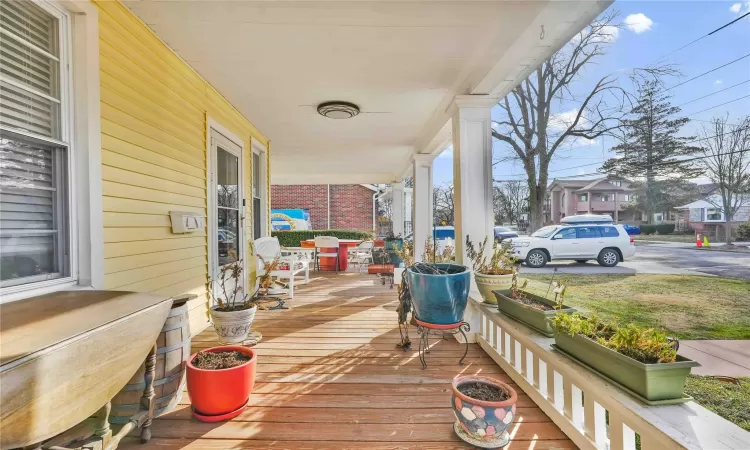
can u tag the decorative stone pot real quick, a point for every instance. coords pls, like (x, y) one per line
(488, 283)
(232, 327)
(483, 424)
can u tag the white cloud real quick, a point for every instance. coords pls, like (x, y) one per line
(718, 82)
(563, 120)
(740, 8)
(638, 23)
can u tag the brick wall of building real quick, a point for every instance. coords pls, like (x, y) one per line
(351, 204)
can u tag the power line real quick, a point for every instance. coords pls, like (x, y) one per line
(713, 93)
(706, 73)
(704, 36)
(722, 104)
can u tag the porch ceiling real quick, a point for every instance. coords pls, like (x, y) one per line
(401, 62)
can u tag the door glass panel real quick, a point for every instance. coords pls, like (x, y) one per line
(227, 179)
(568, 233)
(228, 214)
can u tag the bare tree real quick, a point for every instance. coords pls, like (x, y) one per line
(534, 134)
(497, 202)
(443, 204)
(726, 151)
(513, 200)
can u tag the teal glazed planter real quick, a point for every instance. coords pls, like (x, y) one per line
(483, 424)
(440, 299)
(391, 246)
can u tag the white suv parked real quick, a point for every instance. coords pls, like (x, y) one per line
(608, 244)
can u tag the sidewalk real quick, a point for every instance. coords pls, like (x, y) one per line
(721, 358)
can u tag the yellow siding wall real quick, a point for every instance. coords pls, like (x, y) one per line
(153, 121)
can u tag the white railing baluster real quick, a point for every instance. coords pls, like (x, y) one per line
(555, 384)
(577, 407)
(530, 366)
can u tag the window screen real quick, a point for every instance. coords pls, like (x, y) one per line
(257, 203)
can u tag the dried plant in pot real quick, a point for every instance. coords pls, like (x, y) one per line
(220, 381)
(232, 311)
(494, 271)
(533, 310)
(484, 408)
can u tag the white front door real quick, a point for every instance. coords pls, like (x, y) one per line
(226, 234)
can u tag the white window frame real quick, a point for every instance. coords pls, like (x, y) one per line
(80, 134)
(212, 128)
(260, 150)
(719, 210)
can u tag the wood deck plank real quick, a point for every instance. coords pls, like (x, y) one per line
(329, 376)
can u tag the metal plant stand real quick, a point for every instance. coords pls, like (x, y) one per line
(424, 329)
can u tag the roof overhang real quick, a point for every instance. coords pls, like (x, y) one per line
(401, 63)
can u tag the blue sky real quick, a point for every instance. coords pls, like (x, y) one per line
(651, 30)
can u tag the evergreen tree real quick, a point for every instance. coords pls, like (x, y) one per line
(651, 150)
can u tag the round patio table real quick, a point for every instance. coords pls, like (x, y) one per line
(329, 264)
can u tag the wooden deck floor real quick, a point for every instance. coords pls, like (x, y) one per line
(330, 377)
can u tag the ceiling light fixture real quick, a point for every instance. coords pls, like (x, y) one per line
(338, 110)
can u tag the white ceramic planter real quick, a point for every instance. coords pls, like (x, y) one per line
(233, 327)
(488, 283)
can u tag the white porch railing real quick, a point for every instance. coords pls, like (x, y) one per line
(577, 400)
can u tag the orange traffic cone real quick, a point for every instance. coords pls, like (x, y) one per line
(698, 241)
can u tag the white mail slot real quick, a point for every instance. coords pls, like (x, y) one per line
(186, 222)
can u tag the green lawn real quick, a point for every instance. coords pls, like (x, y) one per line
(688, 307)
(728, 400)
(666, 237)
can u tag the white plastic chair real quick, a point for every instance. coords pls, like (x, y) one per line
(269, 249)
(361, 254)
(322, 243)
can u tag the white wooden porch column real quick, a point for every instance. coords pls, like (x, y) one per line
(422, 204)
(472, 170)
(398, 208)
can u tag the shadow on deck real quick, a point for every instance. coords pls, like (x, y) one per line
(330, 377)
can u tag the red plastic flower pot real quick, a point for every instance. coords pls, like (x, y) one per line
(218, 392)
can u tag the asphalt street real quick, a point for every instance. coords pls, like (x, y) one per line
(666, 259)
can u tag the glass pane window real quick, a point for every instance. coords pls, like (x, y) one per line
(567, 233)
(714, 214)
(228, 205)
(583, 197)
(29, 69)
(34, 159)
(257, 203)
(33, 212)
(588, 232)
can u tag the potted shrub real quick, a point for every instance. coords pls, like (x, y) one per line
(643, 361)
(532, 310)
(394, 244)
(233, 311)
(495, 273)
(220, 380)
(484, 409)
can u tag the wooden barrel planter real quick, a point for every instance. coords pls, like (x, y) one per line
(172, 353)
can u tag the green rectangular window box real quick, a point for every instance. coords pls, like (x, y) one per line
(537, 319)
(661, 382)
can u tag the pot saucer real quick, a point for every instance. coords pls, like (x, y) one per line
(219, 417)
(501, 440)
